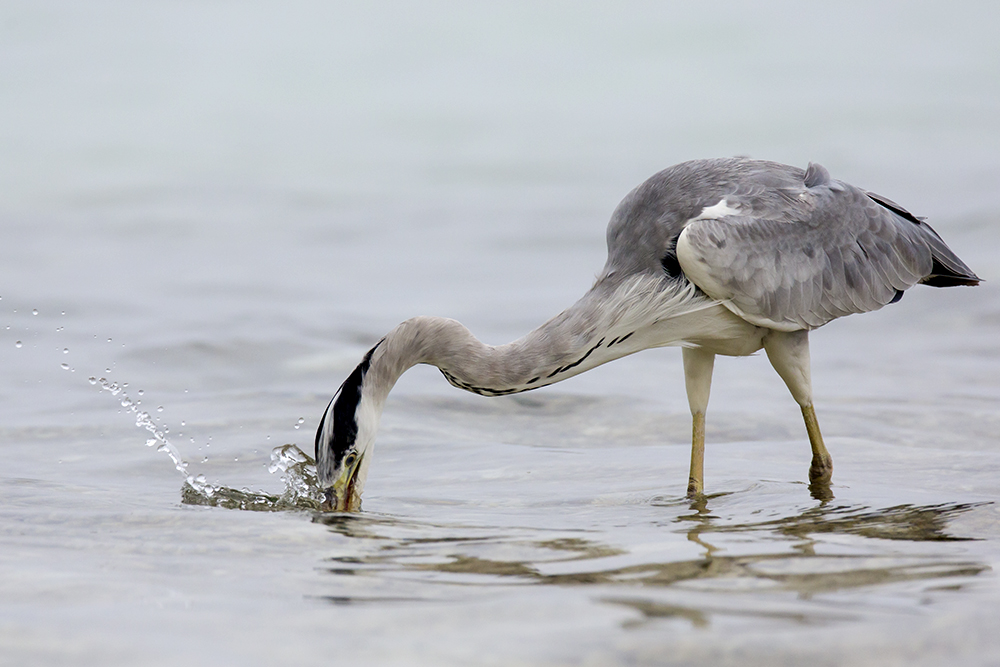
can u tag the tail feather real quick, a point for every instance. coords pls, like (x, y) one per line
(947, 270)
(942, 276)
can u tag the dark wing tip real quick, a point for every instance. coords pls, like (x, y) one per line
(948, 270)
(894, 207)
(947, 279)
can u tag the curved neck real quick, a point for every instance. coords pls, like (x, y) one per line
(610, 321)
(614, 319)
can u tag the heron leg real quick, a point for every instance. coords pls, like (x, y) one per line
(789, 354)
(698, 365)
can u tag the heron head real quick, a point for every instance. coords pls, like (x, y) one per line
(343, 439)
(344, 494)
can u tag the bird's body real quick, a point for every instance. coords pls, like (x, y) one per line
(721, 256)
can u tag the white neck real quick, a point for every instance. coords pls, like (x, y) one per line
(611, 321)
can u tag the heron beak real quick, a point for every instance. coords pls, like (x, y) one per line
(344, 496)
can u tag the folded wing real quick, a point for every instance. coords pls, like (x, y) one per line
(833, 251)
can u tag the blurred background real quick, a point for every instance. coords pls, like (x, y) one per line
(224, 204)
(280, 181)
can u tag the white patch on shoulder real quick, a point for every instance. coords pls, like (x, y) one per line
(720, 210)
(697, 269)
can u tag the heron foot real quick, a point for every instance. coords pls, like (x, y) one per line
(821, 469)
(820, 475)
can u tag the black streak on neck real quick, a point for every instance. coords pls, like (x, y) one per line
(488, 391)
(563, 369)
(344, 414)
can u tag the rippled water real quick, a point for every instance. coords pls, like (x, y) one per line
(209, 212)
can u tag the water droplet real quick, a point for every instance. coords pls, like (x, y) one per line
(151, 442)
(184, 423)
(162, 448)
(64, 366)
(140, 392)
(159, 409)
(60, 328)
(34, 311)
(65, 350)
(109, 340)
(92, 380)
(18, 343)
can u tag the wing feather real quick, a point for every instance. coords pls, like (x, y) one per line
(833, 252)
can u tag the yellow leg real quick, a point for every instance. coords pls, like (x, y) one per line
(789, 354)
(821, 468)
(698, 365)
(696, 480)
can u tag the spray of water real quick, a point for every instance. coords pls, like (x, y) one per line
(298, 473)
(144, 421)
(298, 470)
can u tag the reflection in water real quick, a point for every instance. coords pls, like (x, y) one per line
(821, 491)
(787, 555)
(927, 523)
(902, 522)
(653, 610)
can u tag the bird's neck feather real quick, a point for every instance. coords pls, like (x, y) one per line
(611, 321)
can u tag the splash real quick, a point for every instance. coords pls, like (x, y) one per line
(298, 469)
(143, 420)
(298, 473)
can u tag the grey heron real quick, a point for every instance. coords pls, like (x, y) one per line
(719, 257)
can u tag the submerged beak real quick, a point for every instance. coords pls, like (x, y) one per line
(344, 496)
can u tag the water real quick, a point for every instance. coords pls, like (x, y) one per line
(214, 210)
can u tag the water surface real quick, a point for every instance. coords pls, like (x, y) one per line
(213, 211)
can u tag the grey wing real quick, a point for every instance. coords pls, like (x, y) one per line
(831, 252)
